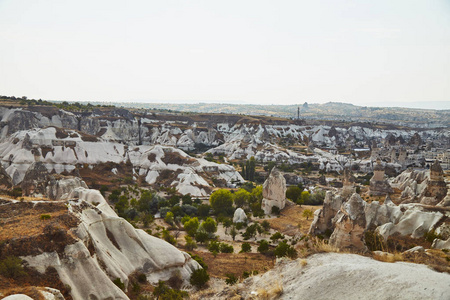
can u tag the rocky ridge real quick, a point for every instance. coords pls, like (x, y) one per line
(102, 248)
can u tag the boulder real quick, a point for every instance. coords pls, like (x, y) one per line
(415, 249)
(239, 216)
(274, 191)
(350, 225)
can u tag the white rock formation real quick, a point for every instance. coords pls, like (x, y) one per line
(333, 276)
(60, 187)
(18, 297)
(323, 217)
(19, 151)
(239, 216)
(350, 225)
(108, 247)
(274, 192)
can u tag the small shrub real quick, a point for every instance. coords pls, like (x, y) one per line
(263, 246)
(11, 267)
(119, 283)
(135, 287)
(142, 278)
(214, 246)
(246, 247)
(431, 236)
(231, 279)
(226, 248)
(199, 278)
(45, 217)
(246, 274)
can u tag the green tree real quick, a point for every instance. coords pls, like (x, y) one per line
(233, 233)
(199, 278)
(304, 198)
(168, 237)
(241, 198)
(11, 267)
(122, 204)
(283, 249)
(190, 243)
(209, 225)
(203, 210)
(250, 169)
(256, 195)
(221, 201)
(249, 232)
(265, 225)
(307, 213)
(226, 248)
(144, 203)
(214, 246)
(191, 226)
(169, 218)
(201, 235)
(293, 193)
(246, 248)
(164, 292)
(227, 222)
(276, 236)
(263, 246)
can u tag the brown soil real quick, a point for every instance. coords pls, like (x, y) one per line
(235, 263)
(23, 230)
(291, 221)
(101, 174)
(31, 283)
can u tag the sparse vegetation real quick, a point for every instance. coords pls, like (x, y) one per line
(199, 278)
(11, 267)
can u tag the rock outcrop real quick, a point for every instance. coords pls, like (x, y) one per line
(378, 184)
(426, 187)
(239, 216)
(323, 218)
(5, 179)
(274, 191)
(35, 180)
(108, 247)
(436, 188)
(59, 187)
(350, 225)
(331, 276)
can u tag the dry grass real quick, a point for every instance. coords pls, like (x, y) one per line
(291, 221)
(272, 292)
(22, 219)
(303, 262)
(235, 263)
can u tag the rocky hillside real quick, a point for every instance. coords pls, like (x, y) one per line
(65, 141)
(343, 276)
(79, 246)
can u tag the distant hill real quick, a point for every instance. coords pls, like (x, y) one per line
(333, 111)
(425, 118)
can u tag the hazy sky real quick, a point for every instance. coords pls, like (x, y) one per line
(262, 52)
